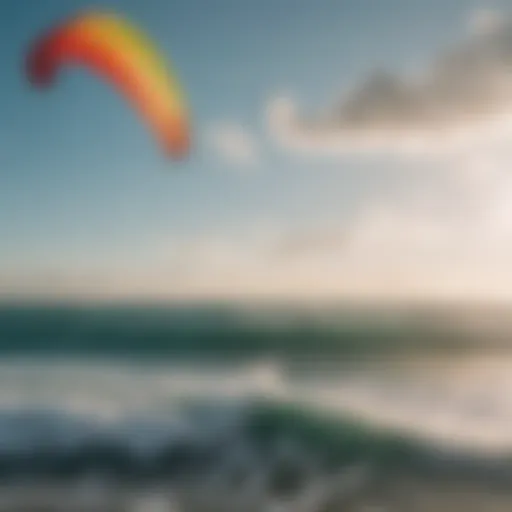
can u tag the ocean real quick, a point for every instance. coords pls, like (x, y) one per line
(251, 407)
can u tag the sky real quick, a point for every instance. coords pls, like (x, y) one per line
(340, 148)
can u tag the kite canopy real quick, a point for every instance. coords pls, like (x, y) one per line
(114, 49)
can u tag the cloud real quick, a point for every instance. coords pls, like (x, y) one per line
(446, 235)
(419, 248)
(465, 92)
(449, 236)
(297, 245)
(485, 21)
(234, 144)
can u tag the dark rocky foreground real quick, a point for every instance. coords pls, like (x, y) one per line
(354, 490)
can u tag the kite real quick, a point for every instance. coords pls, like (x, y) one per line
(120, 53)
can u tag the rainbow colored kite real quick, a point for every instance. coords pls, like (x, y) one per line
(120, 53)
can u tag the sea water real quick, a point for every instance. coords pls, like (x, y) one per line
(230, 408)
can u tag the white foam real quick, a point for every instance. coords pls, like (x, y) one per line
(462, 401)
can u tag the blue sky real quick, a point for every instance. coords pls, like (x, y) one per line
(84, 190)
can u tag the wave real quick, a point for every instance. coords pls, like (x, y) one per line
(235, 436)
(222, 331)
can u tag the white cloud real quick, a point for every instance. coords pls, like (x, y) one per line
(465, 93)
(450, 236)
(458, 247)
(234, 143)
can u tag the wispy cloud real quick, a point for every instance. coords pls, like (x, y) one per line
(485, 21)
(387, 252)
(235, 144)
(466, 89)
(414, 249)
